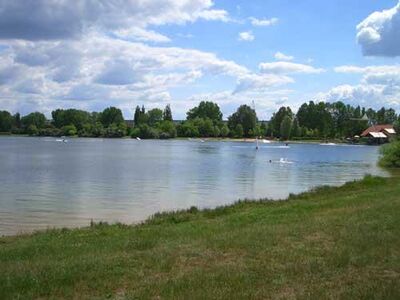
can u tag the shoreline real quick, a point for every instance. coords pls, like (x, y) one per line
(206, 139)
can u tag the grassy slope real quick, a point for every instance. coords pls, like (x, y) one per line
(335, 242)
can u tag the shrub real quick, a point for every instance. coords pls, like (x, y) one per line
(146, 132)
(167, 130)
(69, 130)
(135, 132)
(32, 130)
(390, 155)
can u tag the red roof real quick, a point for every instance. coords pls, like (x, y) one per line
(376, 128)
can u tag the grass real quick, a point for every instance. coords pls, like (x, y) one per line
(329, 243)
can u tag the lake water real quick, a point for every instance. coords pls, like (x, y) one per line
(47, 183)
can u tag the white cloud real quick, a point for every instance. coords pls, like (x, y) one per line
(379, 86)
(364, 95)
(263, 22)
(246, 36)
(260, 82)
(281, 56)
(140, 34)
(214, 15)
(93, 54)
(368, 69)
(64, 19)
(99, 71)
(282, 67)
(379, 33)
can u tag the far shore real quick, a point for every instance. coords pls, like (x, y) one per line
(209, 139)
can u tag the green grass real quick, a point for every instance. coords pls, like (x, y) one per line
(330, 243)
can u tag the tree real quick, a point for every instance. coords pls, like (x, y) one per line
(111, 115)
(36, 118)
(167, 115)
(316, 117)
(154, 116)
(295, 128)
(167, 129)
(217, 131)
(187, 129)
(140, 116)
(277, 118)
(32, 129)
(17, 120)
(390, 116)
(238, 133)
(74, 117)
(263, 129)
(146, 132)
(6, 121)
(246, 117)
(224, 131)
(206, 110)
(136, 118)
(397, 125)
(69, 130)
(286, 128)
(205, 126)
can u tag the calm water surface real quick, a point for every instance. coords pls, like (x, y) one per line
(45, 183)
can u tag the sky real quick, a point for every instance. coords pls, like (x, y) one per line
(90, 54)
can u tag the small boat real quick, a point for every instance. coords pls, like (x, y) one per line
(266, 141)
(138, 138)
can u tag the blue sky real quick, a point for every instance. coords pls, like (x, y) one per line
(92, 55)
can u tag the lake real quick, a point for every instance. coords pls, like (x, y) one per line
(47, 183)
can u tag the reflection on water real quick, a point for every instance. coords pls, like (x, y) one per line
(44, 183)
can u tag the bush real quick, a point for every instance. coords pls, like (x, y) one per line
(146, 132)
(390, 155)
(32, 130)
(69, 130)
(167, 130)
(135, 132)
(49, 132)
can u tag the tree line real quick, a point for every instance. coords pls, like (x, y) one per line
(328, 120)
(312, 120)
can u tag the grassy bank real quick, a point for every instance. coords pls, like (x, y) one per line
(331, 243)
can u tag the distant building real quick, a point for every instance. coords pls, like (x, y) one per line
(379, 133)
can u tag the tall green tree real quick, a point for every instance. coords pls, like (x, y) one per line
(36, 118)
(136, 117)
(6, 121)
(238, 131)
(295, 129)
(154, 116)
(75, 117)
(286, 128)
(167, 114)
(246, 117)
(206, 110)
(277, 118)
(111, 115)
(17, 120)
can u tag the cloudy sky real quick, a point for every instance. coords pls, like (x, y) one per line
(91, 54)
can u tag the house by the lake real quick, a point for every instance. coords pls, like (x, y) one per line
(379, 134)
